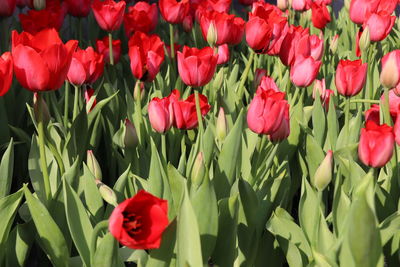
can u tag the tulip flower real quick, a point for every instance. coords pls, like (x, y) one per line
(301, 5)
(359, 9)
(197, 66)
(304, 71)
(284, 129)
(396, 130)
(102, 47)
(265, 105)
(139, 222)
(223, 54)
(258, 75)
(324, 93)
(282, 4)
(379, 24)
(320, 15)
(108, 14)
(161, 114)
(268, 83)
(376, 144)
(317, 46)
(146, 53)
(296, 43)
(6, 72)
(197, 7)
(334, 43)
(187, 23)
(185, 116)
(174, 11)
(141, 17)
(41, 61)
(390, 74)
(350, 77)
(86, 66)
(78, 8)
(229, 28)
(7, 8)
(394, 104)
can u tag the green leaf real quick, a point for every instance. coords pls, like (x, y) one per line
(318, 120)
(332, 121)
(96, 110)
(51, 238)
(120, 184)
(107, 252)
(35, 172)
(6, 170)
(19, 244)
(314, 156)
(178, 184)
(93, 200)
(389, 227)
(162, 256)
(78, 222)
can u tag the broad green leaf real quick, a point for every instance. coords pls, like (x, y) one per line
(106, 252)
(389, 227)
(332, 122)
(19, 244)
(6, 170)
(319, 121)
(35, 172)
(162, 256)
(177, 183)
(93, 199)
(120, 184)
(314, 155)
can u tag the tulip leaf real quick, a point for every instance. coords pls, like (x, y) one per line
(51, 238)
(6, 170)
(318, 120)
(19, 244)
(120, 184)
(177, 183)
(35, 170)
(332, 122)
(314, 155)
(162, 256)
(93, 199)
(106, 252)
(96, 110)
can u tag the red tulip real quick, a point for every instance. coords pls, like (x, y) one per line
(320, 15)
(146, 53)
(174, 11)
(78, 8)
(265, 105)
(86, 66)
(187, 23)
(139, 222)
(25, 3)
(394, 105)
(229, 28)
(161, 114)
(390, 74)
(396, 130)
(198, 7)
(265, 28)
(267, 83)
(284, 129)
(88, 95)
(247, 2)
(109, 14)
(295, 43)
(41, 61)
(103, 48)
(376, 144)
(6, 72)
(350, 77)
(379, 24)
(359, 9)
(197, 66)
(7, 8)
(324, 94)
(304, 71)
(50, 17)
(258, 75)
(185, 116)
(301, 5)
(223, 54)
(317, 46)
(141, 17)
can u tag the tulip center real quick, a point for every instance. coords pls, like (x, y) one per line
(132, 223)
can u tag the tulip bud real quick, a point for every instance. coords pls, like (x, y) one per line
(334, 43)
(390, 69)
(282, 4)
(212, 34)
(138, 86)
(107, 193)
(39, 4)
(131, 138)
(347, 4)
(365, 40)
(221, 127)
(39, 105)
(323, 174)
(93, 165)
(198, 170)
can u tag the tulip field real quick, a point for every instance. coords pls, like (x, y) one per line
(199, 133)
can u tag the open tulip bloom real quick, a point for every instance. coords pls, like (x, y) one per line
(199, 133)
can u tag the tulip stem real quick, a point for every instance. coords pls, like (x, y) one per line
(110, 46)
(66, 103)
(172, 47)
(96, 232)
(347, 116)
(386, 107)
(138, 102)
(76, 103)
(245, 74)
(164, 146)
(42, 151)
(198, 111)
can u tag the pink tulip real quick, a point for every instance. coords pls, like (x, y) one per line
(304, 71)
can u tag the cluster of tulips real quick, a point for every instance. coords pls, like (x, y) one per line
(218, 122)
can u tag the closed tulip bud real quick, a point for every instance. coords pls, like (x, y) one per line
(139, 89)
(131, 139)
(221, 127)
(323, 175)
(282, 4)
(350, 77)
(39, 105)
(107, 193)
(365, 40)
(93, 165)
(334, 43)
(390, 74)
(212, 34)
(39, 4)
(198, 171)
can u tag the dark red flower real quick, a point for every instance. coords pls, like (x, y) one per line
(7, 8)
(139, 222)
(103, 47)
(141, 17)
(320, 15)
(109, 14)
(78, 8)
(86, 66)
(6, 72)
(174, 11)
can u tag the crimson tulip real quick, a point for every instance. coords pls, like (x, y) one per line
(379, 24)
(102, 46)
(141, 17)
(296, 42)
(185, 116)
(197, 66)
(320, 15)
(6, 72)
(7, 7)
(350, 77)
(161, 114)
(139, 222)
(109, 14)
(229, 28)
(265, 105)
(198, 7)
(86, 66)
(146, 53)
(390, 74)
(376, 144)
(304, 71)
(78, 8)
(174, 11)
(284, 129)
(41, 61)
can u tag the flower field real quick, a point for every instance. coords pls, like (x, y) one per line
(199, 133)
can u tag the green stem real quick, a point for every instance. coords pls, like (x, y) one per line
(42, 151)
(371, 101)
(245, 74)
(198, 111)
(293, 99)
(347, 116)
(96, 232)
(164, 146)
(172, 47)
(386, 107)
(139, 107)
(110, 46)
(66, 103)
(76, 102)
